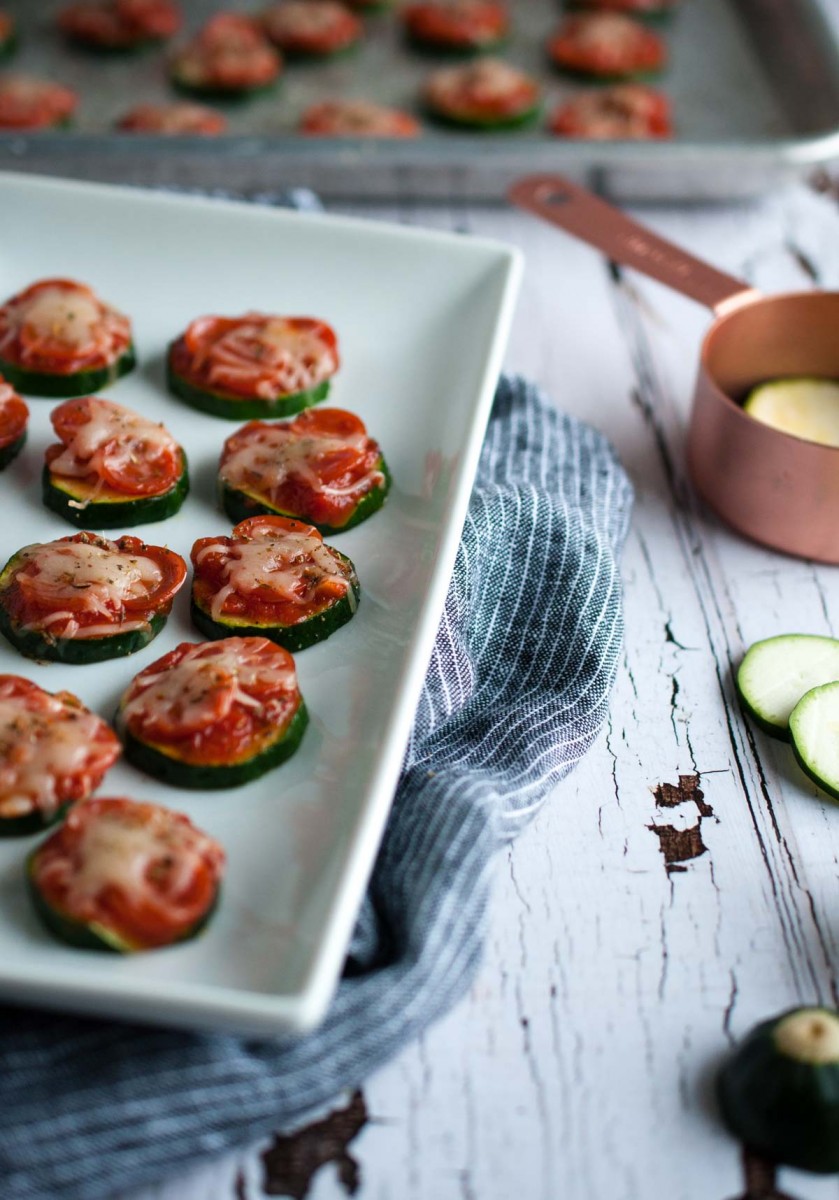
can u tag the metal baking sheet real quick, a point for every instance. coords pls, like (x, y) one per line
(754, 85)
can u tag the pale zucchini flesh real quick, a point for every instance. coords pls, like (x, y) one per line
(805, 408)
(814, 726)
(777, 672)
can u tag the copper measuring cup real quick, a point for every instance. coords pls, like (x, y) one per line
(773, 487)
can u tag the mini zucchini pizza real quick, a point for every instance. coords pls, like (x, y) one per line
(258, 365)
(624, 111)
(489, 94)
(357, 118)
(214, 715)
(645, 9)
(321, 468)
(14, 418)
(8, 35)
(606, 46)
(119, 25)
(125, 876)
(173, 120)
(112, 467)
(57, 338)
(312, 28)
(53, 752)
(27, 103)
(83, 599)
(230, 58)
(456, 26)
(275, 578)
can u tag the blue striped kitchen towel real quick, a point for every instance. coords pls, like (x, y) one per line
(516, 690)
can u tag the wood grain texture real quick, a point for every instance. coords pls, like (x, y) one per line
(580, 1065)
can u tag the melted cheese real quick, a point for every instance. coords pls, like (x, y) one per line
(208, 682)
(280, 567)
(7, 393)
(98, 579)
(112, 435)
(486, 82)
(283, 357)
(269, 457)
(70, 316)
(67, 314)
(40, 748)
(606, 32)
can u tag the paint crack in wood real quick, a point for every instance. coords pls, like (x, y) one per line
(291, 1161)
(681, 845)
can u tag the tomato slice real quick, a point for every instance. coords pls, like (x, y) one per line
(231, 53)
(14, 415)
(173, 119)
(457, 24)
(625, 111)
(53, 750)
(606, 44)
(102, 440)
(60, 326)
(30, 103)
(258, 356)
(141, 872)
(315, 27)
(214, 701)
(357, 118)
(85, 580)
(485, 91)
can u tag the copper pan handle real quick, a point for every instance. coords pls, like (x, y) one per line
(586, 216)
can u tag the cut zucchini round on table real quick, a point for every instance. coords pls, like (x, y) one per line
(72, 499)
(805, 408)
(776, 673)
(814, 728)
(779, 1092)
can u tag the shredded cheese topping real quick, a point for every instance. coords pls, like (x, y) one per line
(271, 355)
(111, 438)
(97, 579)
(203, 688)
(43, 741)
(486, 82)
(67, 314)
(270, 456)
(277, 566)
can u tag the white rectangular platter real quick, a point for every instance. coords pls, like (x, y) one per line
(422, 320)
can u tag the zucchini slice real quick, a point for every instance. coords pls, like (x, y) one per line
(217, 404)
(79, 651)
(805, 408)
(239, 505)
(71, 499)
(163, 762)
(779, 1093)
(776, 673)
(7, 453)
(42, 383)
(814, 728)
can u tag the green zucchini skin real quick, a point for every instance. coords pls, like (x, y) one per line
(291, 637)
(217, 404)
(212, 776)
(519, 121)
(78, 651)
(33, 822)
(652, 16)
(9, 48)
(585, 76)
(785, 1109)
(7, 453)
(92, 935)
(43, 383)
(431, 49)
(222, 95)
(239, 505)
(116, 514)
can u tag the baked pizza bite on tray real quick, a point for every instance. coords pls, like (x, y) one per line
(14, 419)
(272, 577)
(607, 47)
(214, 714)
(125, 876)
(182, 119)
(312, 28)
(230, 58)
(620, 112)
(456, 26)
(57, 338)
(347, 118)
(53, 752)
(119, 25)
(321, 468)
(28, 103)
(84, 599)
(485, 95)
(257, 365)
(112, 468)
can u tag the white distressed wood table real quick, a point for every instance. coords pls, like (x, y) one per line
(682, 883)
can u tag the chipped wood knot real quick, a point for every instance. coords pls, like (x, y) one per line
(292, 1160)
(680, 845)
